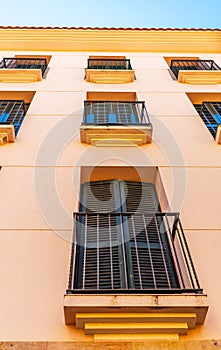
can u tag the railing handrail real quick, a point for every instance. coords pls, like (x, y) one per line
(185, 270)
(102, 62)
(122, 116)
(39, 60)
(160, 213)
(193, 65)
(191, 60)
(109, 59)
(114, 101)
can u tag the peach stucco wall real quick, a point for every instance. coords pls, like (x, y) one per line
(36, 223)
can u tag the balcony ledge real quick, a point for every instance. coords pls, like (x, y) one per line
(110, 76)
(218, 135)
(7, 134)
(111, 135)
(107, 315)
(136, 303)
(20, 75)
(199, 77)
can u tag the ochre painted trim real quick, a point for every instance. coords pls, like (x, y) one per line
(120, 317)
(136, 337)
(116, 40)
(136, 328)
(109, 76)
(218, 135)
(20, 75)
(200, 97)
(116, 135)
(111, 96)
(200, 77)
(7, 133)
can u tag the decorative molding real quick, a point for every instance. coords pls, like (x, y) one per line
(126, 303)
(124, 325)
(109, 76)
(218, 135)
(200, 77)
(116, 135)
(7, 133)
(106, 40)
(20, 75)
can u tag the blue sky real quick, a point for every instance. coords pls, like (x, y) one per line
(116, 13)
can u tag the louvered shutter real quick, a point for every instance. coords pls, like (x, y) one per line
(142, 260)
(100, 261)
(149, 262)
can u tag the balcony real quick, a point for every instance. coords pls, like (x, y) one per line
(115, 123)
(121, 276)
(210, 112)
(22, 70)
(196, 71)
(12, 113)
(109, 71)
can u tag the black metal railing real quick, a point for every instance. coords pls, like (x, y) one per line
(177, 65)
(112, 63)
(130, 253)
(12, 112)
(24, 63)
(210, 112)
(115, 113)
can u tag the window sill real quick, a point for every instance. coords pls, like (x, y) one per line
(218, 135)
(110, 76)
(20, 75)
(198, 77)
(135, 314)
(109, 135)
(7, 134)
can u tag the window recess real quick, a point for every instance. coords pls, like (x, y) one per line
(130, 263)
(23, 69)
(210, 113)
(109, 70)
(115, 123)
(194, 70)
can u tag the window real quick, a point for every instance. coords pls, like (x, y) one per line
(115, 112)
(12, 113)
(128, 257)
(210, 112)
(13, 108)
(194, 70)
(115, 119)
(142, 259)
(108, 62)
(109, 70)
(123, 241)
(23, 68)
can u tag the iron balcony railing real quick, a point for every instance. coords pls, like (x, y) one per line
(115, 113)
(24, 63)
(210, 112)
(130, 253)
(112, 63)
(177, 65)
(12, 112)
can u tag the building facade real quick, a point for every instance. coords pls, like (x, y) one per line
(122, 128)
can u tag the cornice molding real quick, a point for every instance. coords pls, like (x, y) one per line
(107, 40)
